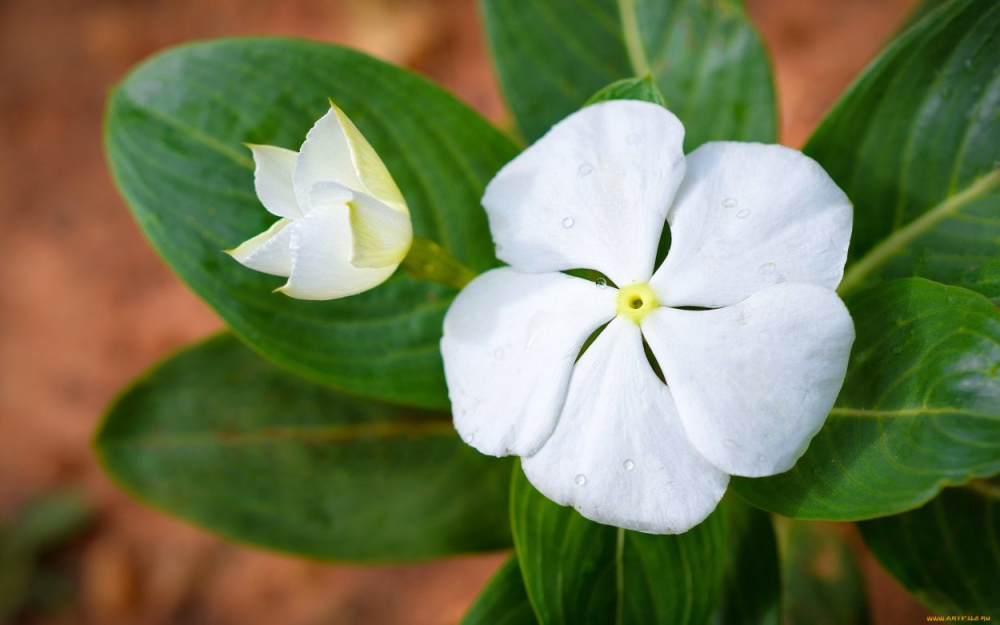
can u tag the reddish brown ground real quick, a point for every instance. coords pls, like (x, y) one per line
(86, 305)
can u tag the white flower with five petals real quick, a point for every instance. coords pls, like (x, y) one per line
(741, 318)
(344, 225)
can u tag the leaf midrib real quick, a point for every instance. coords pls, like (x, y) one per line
(634, 47)
(908, 412)
(267, 435)
(897, 242)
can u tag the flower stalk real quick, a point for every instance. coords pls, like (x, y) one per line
(427, 260)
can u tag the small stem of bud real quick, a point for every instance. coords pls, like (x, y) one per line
(427, 260)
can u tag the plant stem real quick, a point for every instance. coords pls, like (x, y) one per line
(427, 260)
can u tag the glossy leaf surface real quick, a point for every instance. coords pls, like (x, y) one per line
(946, 553)
(706, 58)
(221, 438)
(915, 144)
(578, 572)
(504, 601)
(174, 134)
(920, 408)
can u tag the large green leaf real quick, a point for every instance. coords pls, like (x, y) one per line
(920, 408)
(821, 582)
(174, 135)
(219, 437)
(751, 594)
(915, 144)
(504, 601)
(578, 572)
(946, 553)
(552, 55)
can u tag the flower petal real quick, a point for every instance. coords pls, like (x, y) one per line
(592, 193)
(754, 382)
(272, 179)
(510, 340)
(269, 251)
(381, 235)
(321, 258)
(749, 216)
(335, 151)
(619, 454)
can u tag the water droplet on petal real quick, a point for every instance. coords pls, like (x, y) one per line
(568, 222)
(629, 465)
(498, 353)
(730, 202)
(584, 169)
(469, 438)
(743, 214)
(580, 479)
(601, 283)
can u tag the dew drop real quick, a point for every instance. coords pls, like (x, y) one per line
(584, 170)
(629, 465)
(729, 202)
(896, 351)
(469, 438)
(568, 222)
(498, 353)
(601, 283)
(743, 214)
(580, 480)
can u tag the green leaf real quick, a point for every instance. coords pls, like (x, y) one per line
(751, 594)
(915, 144)
(920, 408)
(946, 553)
(174, 134)
(578, 572)
(706, 58)
(221, 438)
(822, 583)
(643, 89)
(504, 601)
(49, 521)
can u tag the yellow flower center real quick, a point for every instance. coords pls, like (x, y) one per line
(636, 300)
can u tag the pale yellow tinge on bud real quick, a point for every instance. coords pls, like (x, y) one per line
(345, 226)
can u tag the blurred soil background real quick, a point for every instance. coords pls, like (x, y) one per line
(86, 305)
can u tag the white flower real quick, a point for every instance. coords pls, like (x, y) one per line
(741, 317)
(344, 225)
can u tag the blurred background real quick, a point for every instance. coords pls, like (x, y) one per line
(86, 305)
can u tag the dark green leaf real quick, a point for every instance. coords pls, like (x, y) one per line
(643, 89)
(822, 584)
(920, 408)
(504, 601)
(578, 572)
(751, 594)
(49, 521)
(221, 438)
(551, 55)
(915, 144)
(946, 553)
(37, 529)
(174, 134)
